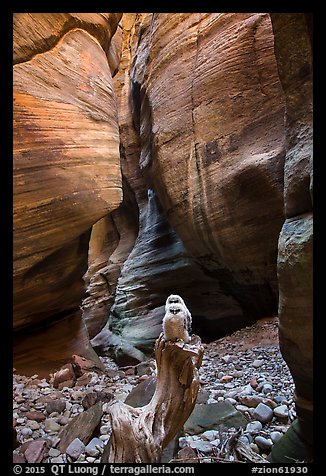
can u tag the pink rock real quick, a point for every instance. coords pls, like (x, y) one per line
(226, 378)
(65, 374)
(36, 451)
(37, 416)
(18, 458)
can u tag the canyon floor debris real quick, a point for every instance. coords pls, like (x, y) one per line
(243, 376)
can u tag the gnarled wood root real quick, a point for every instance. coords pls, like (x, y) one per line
(139, 435)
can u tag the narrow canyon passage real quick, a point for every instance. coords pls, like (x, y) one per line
(159, 154)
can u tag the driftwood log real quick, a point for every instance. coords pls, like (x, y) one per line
(139, 435)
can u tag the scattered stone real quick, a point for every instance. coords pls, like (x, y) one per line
(144, 368)
(36, 416)
(281, 428)
(236, 383)
(263, 443)
(210, 435)
(36, 451)
(267, 388)
(18, 458)
(269, 402)
(75, 448)
(53, 453)
(26, 432)
(81, 426)
(242, 408)
(203, 396)
(250, 400)
(263, 413)
(253, 383)
(281, 412)
(202, 446)
(211, 416)
(82, 365)
(59, 459)
(254, 447)
(279, 399)
(142, 393)
(66, 384)
(247, 390)
(226, 378)
(15, 438)
(62, 420)
(257, 363)
(105, 429)
(64, 375)
(91, 449)
(187, 455)
(89, 399)
(237, 373)
(130, 371)
(230, 400)
(51, 426)
(275, 436)
(227, 358)
(83, 380)
(33, 425)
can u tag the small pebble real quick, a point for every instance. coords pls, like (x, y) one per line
(281, 412)
(254, 427)
(257, 363)
(275, 436)
(26, 432)
(263, 413)
(263, 443)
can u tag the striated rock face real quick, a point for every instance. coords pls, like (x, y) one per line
(202, 148)
(293, 50)
(217, 144)
(66, 162)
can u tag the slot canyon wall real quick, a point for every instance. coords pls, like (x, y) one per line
(173, 152)
(293, 50)
(66, 175)
(203, 160)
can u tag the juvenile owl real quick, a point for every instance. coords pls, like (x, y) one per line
(176, 299)
(175, 324)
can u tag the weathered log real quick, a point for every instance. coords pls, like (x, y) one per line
(139, 435)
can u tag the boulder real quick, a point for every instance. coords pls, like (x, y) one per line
(263, 413)
(211, 416)
(81, 426)
(75, 448)
(142, 393)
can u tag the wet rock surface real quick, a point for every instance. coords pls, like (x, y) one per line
(50, 431)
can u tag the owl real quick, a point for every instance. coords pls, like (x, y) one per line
(176, 299)
(175, 323)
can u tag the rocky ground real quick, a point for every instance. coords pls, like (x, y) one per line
(244, 406)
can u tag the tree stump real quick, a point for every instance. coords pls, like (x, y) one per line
(139, 435)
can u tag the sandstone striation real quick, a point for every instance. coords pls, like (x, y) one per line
(202, 148)
(66, 163)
